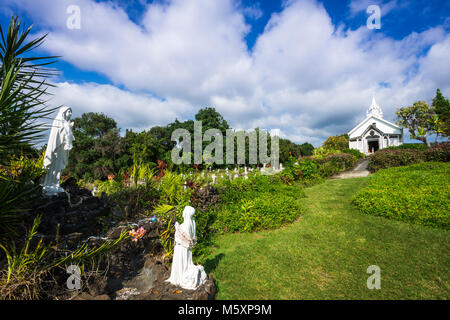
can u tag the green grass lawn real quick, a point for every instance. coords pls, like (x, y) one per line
(325, 254)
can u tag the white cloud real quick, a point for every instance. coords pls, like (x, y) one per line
(304, 75)
(130, 110)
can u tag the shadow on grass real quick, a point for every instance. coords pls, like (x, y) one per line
(211, 264)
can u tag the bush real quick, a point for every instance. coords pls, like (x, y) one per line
(109, 187)
(19, 187)
(335, 163)
(308, 168)
(356, 153)
(322, 152)
(262, 202)
(253, 213)
(417, 193)
(416, 146)
(394, 158)
(336, 143)
(387, 158)
(438, 153)
(305, 169)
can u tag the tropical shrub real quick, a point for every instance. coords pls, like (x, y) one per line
(263, 202)
(336, 143)
(416, 146)
(335, 163)
(253, 213)
(18, 188)
(322, 152)
(394, 158)
(440, 152)
(304, 169)
(417, 193)
(387, 158)
(109, 187)
(356, 153)
(291, 171)
(308, 168)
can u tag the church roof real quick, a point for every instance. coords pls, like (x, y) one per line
(374, 113)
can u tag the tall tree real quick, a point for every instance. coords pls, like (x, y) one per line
(306, 149)
(211, 119)
(96, 146)
(441, 106)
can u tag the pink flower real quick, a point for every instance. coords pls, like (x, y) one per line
(137, 234)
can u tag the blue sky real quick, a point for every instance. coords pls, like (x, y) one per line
(306, 67)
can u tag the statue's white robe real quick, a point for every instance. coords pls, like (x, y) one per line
(184, 272)
(57, 152)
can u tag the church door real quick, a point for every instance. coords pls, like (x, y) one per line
(373, 145)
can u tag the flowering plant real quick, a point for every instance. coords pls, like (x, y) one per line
(137, 234)
(162, 169)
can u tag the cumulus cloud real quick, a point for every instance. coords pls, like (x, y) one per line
(130, 110)
(304, 74)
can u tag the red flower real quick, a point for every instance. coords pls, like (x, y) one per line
(161, 166)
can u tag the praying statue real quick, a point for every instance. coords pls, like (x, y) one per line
(184, 272)
(57, 152)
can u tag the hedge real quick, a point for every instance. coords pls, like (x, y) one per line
(387, 158)
(417, 193)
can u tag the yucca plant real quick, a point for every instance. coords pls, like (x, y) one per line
(23, 87)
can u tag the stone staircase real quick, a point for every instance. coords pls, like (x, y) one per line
(360, 170)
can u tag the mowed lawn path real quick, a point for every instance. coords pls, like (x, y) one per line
(325, 254)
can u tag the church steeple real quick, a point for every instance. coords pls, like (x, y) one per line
(374, 109)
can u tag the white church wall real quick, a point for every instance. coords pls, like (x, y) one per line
(383, 126)
(394, 141)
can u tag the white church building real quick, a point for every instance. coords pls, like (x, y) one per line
(374, 132)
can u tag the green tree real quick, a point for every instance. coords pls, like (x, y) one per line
(288, 149)
(211, 119)
(418, 119)
(96, 147)
(306, 149)
(441, 107)
(94, 125)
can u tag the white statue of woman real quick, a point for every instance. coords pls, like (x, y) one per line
(184, 273)
(57, 152)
